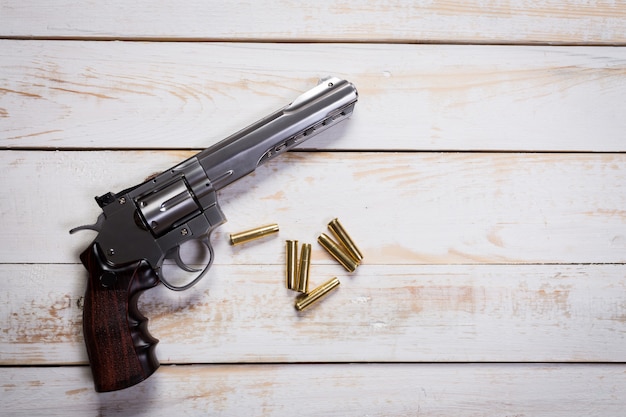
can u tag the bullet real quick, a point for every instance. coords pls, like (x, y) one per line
(302, 283)
(291, 255)
(317, 294)
(252, 234)
(337, 252)
(342, 236)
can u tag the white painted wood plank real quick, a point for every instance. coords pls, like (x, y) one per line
(426, 313)
(327, 390)
(512, 21)
(401, 208)
(412, 97)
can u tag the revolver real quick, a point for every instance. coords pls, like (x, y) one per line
(143, 225)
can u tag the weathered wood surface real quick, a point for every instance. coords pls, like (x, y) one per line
(413, 97)
(484, 183)
(476, 21)
(402, 208)
(490, 390)
(382, 313)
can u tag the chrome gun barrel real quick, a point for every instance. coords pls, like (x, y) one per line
(312, 112)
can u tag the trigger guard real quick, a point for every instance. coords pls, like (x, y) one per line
(173, 287)
(181, 264)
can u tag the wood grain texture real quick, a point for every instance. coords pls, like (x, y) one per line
(412, 97)
(484, 184)
(402, 208)
(476, 21)
(403, 313)
(330, 390)
(121, 351)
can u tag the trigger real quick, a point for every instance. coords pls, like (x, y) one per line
(175, 254)
(181, 264)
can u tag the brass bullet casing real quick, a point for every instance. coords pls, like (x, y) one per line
(317, 294)
(302, 283)
(342, 236)
(253, 234)
(291, 255)
(337, 252)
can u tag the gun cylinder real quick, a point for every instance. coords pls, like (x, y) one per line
(302, 284)
(317, 294)
(253, 234)
(337, 252)
(342, 236)
(291, 255)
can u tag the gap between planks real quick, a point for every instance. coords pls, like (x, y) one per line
(307, 41)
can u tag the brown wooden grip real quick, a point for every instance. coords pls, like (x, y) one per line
(120, 349)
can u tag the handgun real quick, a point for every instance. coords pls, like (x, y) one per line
(143, 225)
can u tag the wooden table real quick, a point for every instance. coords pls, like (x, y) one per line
(482, 174)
